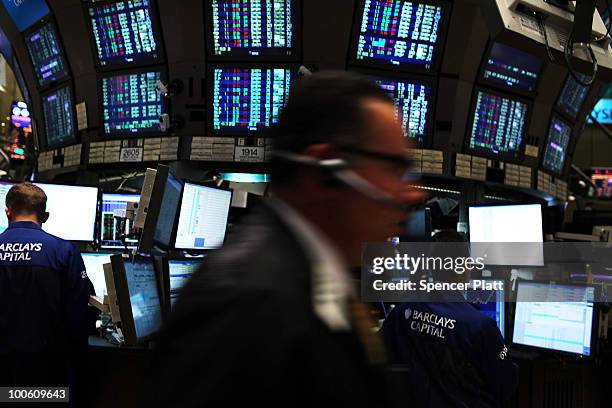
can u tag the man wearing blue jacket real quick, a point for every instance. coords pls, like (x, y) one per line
(44, 294)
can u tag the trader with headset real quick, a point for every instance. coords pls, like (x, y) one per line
(274, 316)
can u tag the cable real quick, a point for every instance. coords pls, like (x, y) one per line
(551, 57)
(609, 27)
(569, 51)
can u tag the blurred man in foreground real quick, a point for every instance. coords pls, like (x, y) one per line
(273, 318)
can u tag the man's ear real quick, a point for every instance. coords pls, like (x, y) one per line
(9, 213)
(44, 218)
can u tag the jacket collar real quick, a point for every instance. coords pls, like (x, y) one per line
(25, 224)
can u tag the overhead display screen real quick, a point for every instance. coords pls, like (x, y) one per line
(573, 96)
(46, 54)
(26, 12)
(413, 101)
(555, 153)
(258, 29)
(58, 110)
(498, 126)
(512, 68)
(131, 103)
(248, 100)
(124, 32)
(399, 33)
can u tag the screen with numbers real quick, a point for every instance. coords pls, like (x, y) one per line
(511, 68)
(59, 116)
(498, 125)
(258, 30)
(124, 32)
(555, 153)
(247, 100)
(46, 54)
(413, 101)
(573, 96)
(131, 103)
(399, 33)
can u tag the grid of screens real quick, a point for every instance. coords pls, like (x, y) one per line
(413, 101)
(180, 273)
(58, 111)
(573, 96)
(399, 33)
(47, 57)
(563, 325)
(555, 153)
(512, 68)
(248, 100)
(490, 303)
(262, 28)
(123, 32)
(144, 297)
(131, 103)
(203, 217)
(499, 124)
(111, 227)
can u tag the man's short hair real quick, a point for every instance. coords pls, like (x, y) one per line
(26, 198)
(324, 108)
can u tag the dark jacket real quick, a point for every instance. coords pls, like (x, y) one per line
(244, 330)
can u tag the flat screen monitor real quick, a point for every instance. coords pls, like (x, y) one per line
(46, 54)
(125, 32)
(138, 295)
(418, 226)
(72, 211)
(113, 228)
(573, 96)
(94, 266)
(180, 272)
(131, 103)
(5, 186)
(253, 30)
(414, 104)
(557, 144)
(554, 317)
(203, 217)
(498, 125)
(490, 303)
(511, 68)
(247, 100)
(400, 34)
(59, 116)
(26, 13)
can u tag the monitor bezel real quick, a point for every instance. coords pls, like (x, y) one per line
(99, 234)
(517, 158)
(297, 35)
(561, 111)
(569, 145)
(178, 218)
(114, 66)
(505, 294)
(415, 69)
(166, 108)
(48, 20)
(553, 351)
(87, 253)
(75, 136)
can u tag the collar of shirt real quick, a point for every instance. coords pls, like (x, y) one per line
(25, 224)
(331, 284)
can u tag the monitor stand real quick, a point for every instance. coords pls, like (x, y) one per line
(562, 4)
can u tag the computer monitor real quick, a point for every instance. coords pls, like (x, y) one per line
(203, 217)
(510, 68)
(554, 317)
(399, 34)
(573, 96)
(490, 303)
(111, 227)
(498, 125)
(267, 30)
(125, 32)
(418, 226)
(179, 272)
(94, 266)
(5, 186)
(413, 100)
(246, 100)
(46, 53)
(131, 103)
(26, 13)
(72, 211)
(557, 144)
(138, 295)
(59, 116)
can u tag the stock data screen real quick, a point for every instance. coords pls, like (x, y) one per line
(180, 273)
(399, 33)
(559, 136)
(512, 68)
(262, 28)
(413, 102)
(59, 116)
(115, 229)
(573, 96)
(47, 57)
(248, 100)
(131, 103)
(123, 32)
(498, 126)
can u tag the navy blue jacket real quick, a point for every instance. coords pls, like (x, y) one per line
(455, 356)
(44, 294)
